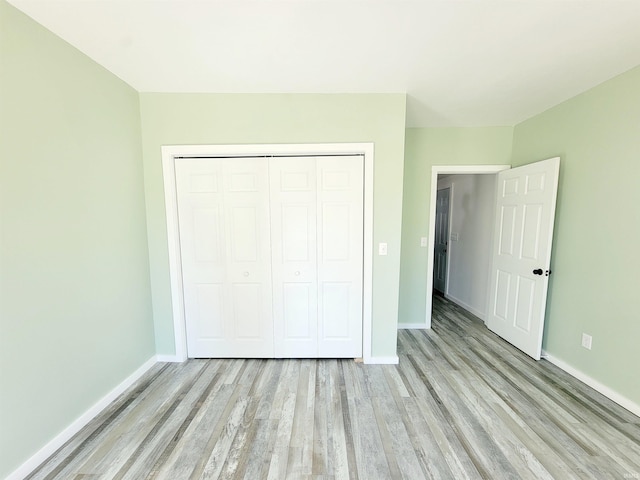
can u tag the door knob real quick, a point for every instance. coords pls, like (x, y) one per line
(537, 271)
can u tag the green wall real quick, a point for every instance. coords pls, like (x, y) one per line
(424, 148)
(80, 281)
(170, 119)
(75, 310)
(596, 253)
(595, 256)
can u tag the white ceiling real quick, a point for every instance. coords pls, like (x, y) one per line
(462, 63)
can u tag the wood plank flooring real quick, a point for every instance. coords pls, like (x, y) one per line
(462, 403)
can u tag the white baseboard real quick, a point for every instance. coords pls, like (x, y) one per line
(412, 326)
(168, 359)
(596, 385)
(469, 308)
(54, 444)
(394, 360)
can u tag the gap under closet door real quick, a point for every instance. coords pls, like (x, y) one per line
(223, 214)
(317, 256)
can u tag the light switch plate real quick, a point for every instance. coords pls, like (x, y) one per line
(382, 249)
(423, 241)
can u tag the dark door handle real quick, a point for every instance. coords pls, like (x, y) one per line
(537, 271)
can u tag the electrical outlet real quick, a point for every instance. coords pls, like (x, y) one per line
(423, 241)
(586, 341)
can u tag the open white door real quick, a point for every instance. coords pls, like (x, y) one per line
(520, 265)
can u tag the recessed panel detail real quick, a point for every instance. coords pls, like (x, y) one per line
(295, 233)
(203, 183)
(335, 309)
(532, 218)
(245, 235)
(524, 303)
(244, 182)
(535, 183)
(209, 301)
(335, 180)
(510, 187)
(441, 269)
(295, 182)
(507, 230)
(503, 287)
(297, 310)
(206, 234)
(335, 232)
(247, 310)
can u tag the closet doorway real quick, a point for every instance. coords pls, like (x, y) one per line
(269, 300)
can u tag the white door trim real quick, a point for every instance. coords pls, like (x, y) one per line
(169, 155)
(442, 170)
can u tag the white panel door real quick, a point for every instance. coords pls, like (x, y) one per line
(340, 255)
(226, 264)
(317, 256)
(520, 267)
(294, 258)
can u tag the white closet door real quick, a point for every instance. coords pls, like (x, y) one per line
(223, 211)
(317, 256)
(294, 246)
(340, 255)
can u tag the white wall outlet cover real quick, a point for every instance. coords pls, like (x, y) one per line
(586, 341)
(382, 249)
(423, 241)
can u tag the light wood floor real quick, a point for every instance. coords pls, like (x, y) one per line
(461, 404)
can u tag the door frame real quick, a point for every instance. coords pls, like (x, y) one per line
(171, 153)
(435, 171)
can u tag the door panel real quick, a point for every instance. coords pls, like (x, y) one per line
(206, 235)
(525, 296)
(209, 303)
(244, 231)
(335, 222)
(272, 256)
(248, 318)
(506, 237)
(299, 310)
(317, 222)
(532, 218)
(248, 257)
(340, 256)
(202, 240)
(336, 306)
(503, 291)
(226, 266)
(294, 232)
(525, 211)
